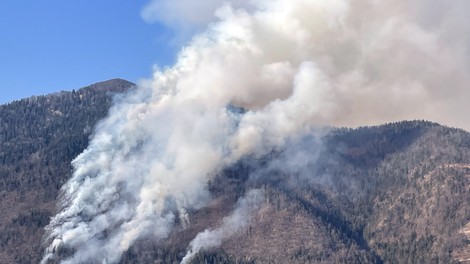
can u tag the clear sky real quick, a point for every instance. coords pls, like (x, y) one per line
(53, 45)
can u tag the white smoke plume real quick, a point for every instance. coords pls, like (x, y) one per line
(292, 65)
(231, 225)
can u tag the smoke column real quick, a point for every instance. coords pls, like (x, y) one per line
(292, 65)
(232, 224)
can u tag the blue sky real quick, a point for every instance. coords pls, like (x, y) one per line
(53, 45)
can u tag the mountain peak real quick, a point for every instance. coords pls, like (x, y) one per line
(112, 85)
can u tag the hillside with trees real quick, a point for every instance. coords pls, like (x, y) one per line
(39, 137)
(396, 193)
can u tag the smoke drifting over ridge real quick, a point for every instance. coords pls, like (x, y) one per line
(292, 65)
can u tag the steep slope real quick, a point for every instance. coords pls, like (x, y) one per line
(39, 136)
(397, 193)
(419, 197)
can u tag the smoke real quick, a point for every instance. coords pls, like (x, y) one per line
(231, 224)
(181, 14)
(293, 65)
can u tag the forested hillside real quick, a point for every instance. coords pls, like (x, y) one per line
(39, 137)
(396, 193)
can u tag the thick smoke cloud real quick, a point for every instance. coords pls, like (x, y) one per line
(292, 65)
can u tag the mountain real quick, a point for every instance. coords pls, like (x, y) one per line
(396, 193)
(39, 137)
